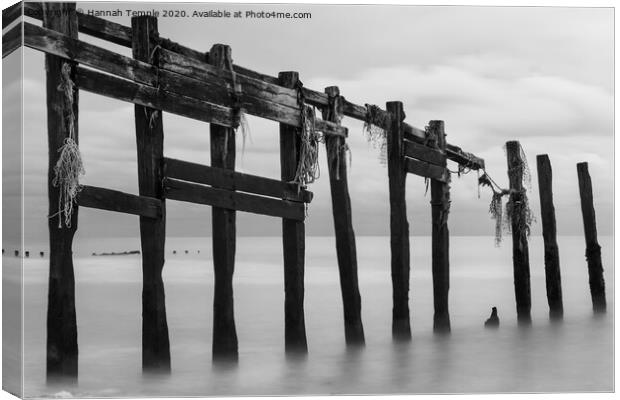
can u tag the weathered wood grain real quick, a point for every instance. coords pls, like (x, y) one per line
(150, 145)
(148, 96)
(343, 224)
(11, 14)
(231, 180)
(424, 153)
(399, 227)
(113, 200)
(62, 344)
(11, 40)
(223, 228)
(293, 238)
(593, 249)
(426, 170)
(520, 250)
(230, 200)
(440, 208)
(552, 255)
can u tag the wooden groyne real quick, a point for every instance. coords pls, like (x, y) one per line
(164, 76)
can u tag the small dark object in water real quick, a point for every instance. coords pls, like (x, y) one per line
(27, 254)
(2, 251)
(16, 253)
(493, 320)
(174, 252)
(186, 252)
(198, 251)
(41, 253)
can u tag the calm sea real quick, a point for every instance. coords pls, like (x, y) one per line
(576, 355)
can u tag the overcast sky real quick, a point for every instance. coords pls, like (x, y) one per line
(543, 76)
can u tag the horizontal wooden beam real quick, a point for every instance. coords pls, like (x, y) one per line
(11, 14)
(424, 153)
(464, 158)
(257, 97)
(121, 35)
(12, 40)
(148, 96)
(222, 198)
(113, 200)
(426, 170)
(231, 180)
(212, 88)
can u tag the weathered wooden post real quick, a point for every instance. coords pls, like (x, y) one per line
(440, 203)
(225, 344)
(520, 251)
(399, 227)
(343, 224)
(552, 257)
(62, 346)
(150, 145)
(593, 249)
(293, 237)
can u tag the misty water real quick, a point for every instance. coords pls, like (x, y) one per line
(574, 355)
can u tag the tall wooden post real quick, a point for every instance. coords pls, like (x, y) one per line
(62, 346)
(343, 224)
(552, 256)
(223, 232)
(150, 145)
(440, 203)
(520, 251)
(399, 227)
(593, 249)
(293, 237)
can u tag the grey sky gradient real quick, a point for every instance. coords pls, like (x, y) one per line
(542, 75)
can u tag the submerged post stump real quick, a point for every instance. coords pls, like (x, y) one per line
(62, 345)
(520, 251)
(552, 257)
(440, 203)
(399, 227)
(343, 224)
(223, 222)
(293, 237)
(593, 249)
(150, 145)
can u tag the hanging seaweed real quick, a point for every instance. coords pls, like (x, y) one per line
(69, 166)
(495, 207)
(375, 129)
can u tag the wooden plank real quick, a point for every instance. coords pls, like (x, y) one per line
(258, 98)
(150, 146)
(113, 200)
(426, 170)
(223, 233)
(459, 156)
(440, 208)
(424, 153)
(231, 180)
(343, 225)
(202, 71)
(90, 25)
(553, 278)
(12, 40)
(11, 14)
(223, 198)
(51, 42)
(520, 250)
(593, 249)
(399, 227)
(293, 238)
(148, 96)
(62, 344)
